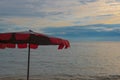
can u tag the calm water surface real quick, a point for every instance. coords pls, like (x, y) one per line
(83, 58)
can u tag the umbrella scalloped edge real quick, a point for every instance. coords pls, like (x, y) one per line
(9, 45)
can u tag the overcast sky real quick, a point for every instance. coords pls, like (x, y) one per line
(40, 15)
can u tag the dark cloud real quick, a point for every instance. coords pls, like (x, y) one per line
(89, 32)
(87, 1)
(104, 16)
(107, 15)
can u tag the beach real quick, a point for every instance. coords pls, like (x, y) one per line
(65, 77)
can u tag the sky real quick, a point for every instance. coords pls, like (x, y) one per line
(75, 20)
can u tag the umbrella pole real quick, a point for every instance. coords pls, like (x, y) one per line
(28, 65)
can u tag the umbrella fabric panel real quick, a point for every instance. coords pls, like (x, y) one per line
(5, 36)
(8, 45)
(19, 36)
(66, 43)
(61, 46)
(40, 40)
(62, 43)
(33, 46)
(2, 46)
(22, 45)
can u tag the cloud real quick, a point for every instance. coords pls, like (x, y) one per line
(118, 0)
(1, 19)
(11, 27)
(107, 15)
(27, 12)
(96, 32)
(39, 14)
(90, 32)
(36, 8)
(21, 8)
(87, 1)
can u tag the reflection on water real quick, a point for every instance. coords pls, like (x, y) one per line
(90, 58)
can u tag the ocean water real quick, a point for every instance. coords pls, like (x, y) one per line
(83, 58)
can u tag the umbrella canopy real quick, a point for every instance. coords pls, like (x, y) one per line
(21, 39)
(30, 39)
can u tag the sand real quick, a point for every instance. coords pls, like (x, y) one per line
(68, 77)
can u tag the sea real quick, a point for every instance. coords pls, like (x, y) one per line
(101, 60)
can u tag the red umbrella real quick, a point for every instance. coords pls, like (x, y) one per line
(30, 39)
